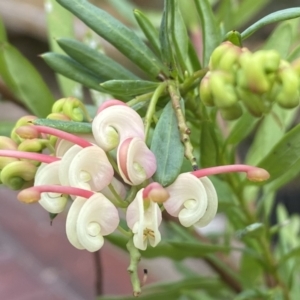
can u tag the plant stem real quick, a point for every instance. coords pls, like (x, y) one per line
(99, 273)
(135, 257)
(182, 126)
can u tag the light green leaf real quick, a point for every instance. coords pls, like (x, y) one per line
(129, 87)
(281, 39)
(270, 131)
(241, 129)
(167, 147)
(67, 126)
(97, 63)
(24, 81)
(60, 23)
(210, 29)
(281, 15)
(246, 11)
(124, 39)
(284, 155)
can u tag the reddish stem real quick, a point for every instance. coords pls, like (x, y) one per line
(29, 155)
(253, 173)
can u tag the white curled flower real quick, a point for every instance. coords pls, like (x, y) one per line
(89, 220)
(47, 174)
(194, 201)
(144, 218)
(115, 123)
(86, 168)
(136, 161)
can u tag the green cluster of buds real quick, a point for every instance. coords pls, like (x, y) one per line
(257, 80)
(67, 109)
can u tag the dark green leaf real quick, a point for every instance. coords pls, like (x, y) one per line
(209, 146)
(60, 23)
(67, 126)
(150, 32)
(97, 63)
(281, 15)
(124, 39)
(179, 34)
(24, 81)
(284, 33)
(68, 67)
(167, 147)
(164, 39)
(129, 87)
(210, 29)
(284, 155)
(176, 250)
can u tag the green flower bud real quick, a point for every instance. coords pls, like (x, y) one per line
(288, 95)
(7, 144)
(231, 113)
(32, 145)
(296, 66)
(252, 102)
(17, 174)
(224, 57)
(58, 105)
(205, 91)
(222, 85)
(26, 120)
(58, 116)
(257, 69)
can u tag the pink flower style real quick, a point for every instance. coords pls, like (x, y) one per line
(80, 168)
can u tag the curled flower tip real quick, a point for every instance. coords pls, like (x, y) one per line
(156, 193)
(258, 175)
(109, 103)
(27, 132)
(30, 195)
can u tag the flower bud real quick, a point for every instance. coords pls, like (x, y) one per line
(58, 116)
(205, 91)
(16, 174)
(29, 196)
(223, 89)
(24, 121)
(218, 54)
(288, 95)
(7, 144)
(231, 113)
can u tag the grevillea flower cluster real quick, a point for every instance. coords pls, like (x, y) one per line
(105, 173)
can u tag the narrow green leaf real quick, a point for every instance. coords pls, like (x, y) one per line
(68, 67)
(167, 147)
(209, 146)
(129, 87)
(284, 33)
(165, 44)
(294, 253)
(150, 32)
(281, 15)
(172, 249)
(270, 131)
(210, 29)
(294, 54)
(97, 63)
(24, 81)
(60, 23)
(67, 126)
(284, 155)
(124, 39)
(241, 129)
(3, 37)
(179, 36)
(245, 12)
